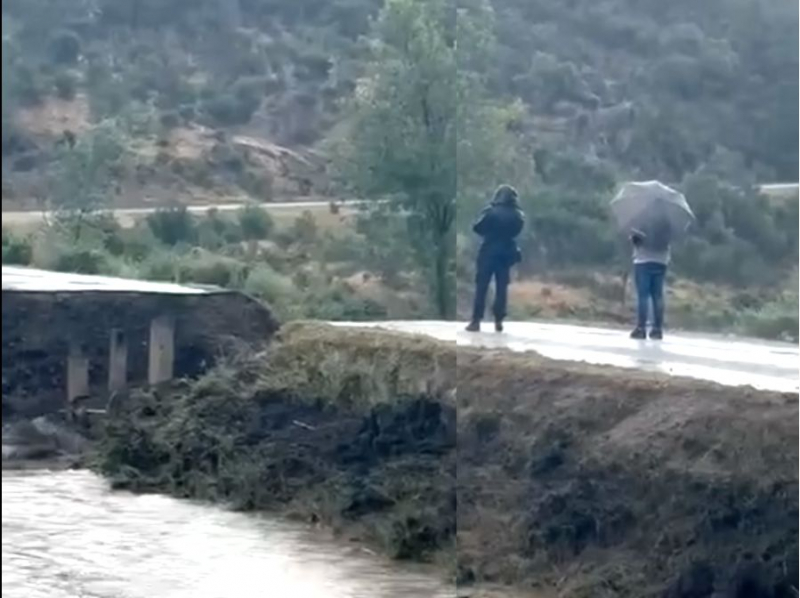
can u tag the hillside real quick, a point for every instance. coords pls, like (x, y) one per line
(141, 102)
(209, 99)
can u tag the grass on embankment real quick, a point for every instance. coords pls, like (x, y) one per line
(599, 483)
(351, 429)
(573, 481)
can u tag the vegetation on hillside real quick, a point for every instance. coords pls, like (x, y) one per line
(306, 267)
(113, 101)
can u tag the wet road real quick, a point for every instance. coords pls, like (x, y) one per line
(66, 536)
(730, 361)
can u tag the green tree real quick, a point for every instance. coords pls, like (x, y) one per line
(83, 175)
(403, 131)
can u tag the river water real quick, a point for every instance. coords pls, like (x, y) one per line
(65, 535)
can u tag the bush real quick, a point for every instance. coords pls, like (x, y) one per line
(161, 265)
(249, 92)
(170, 120)
(17, 251)
(228, 110)
(255, 222)
(83, 260)
(173, 226)
(65, 47)
(257, 184)
(205, 268)
(265, 283)
(29, 87)
(66, 84)
(305, 230)
(217, 230)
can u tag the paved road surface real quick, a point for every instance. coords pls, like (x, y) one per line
(34, 216)
(772, 366)
(731, 361)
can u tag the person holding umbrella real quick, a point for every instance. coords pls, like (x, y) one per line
(652, 215)
(498, 225)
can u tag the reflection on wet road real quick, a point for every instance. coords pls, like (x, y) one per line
(66, 536)
(731, 361)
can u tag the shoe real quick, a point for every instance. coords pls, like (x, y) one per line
(498, 326)
(656, 334)
(474, 327)
(639, 334)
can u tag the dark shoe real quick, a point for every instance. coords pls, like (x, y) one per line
(639, 334)
(656, 334)
(474, 327)
(498, 325)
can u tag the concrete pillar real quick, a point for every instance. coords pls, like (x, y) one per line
(162, 350)
(117, 360)
(77, 372)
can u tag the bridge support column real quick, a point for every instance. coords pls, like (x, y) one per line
(77, 373)
(117, 360)
(162, 350)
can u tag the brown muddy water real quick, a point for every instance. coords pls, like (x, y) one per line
(66, 535)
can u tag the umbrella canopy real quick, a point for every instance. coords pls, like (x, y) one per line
(642, 205)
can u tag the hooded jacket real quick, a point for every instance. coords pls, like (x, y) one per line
(499, 224)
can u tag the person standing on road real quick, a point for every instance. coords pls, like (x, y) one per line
(651, 256)
(498, 225)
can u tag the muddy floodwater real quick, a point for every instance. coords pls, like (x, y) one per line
(65, 535)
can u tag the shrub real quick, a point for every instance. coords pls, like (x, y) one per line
(227, 110)
(205, 268)
(29, 87)
(249, 92)
(217, 230)
(160, 265)
(257, 184)
(170, 120)
(305, 229)
(65, 47)
(83, 260)
(255, 222)
(173, 226)
(66, 84)
(17, 250)
(265, 283)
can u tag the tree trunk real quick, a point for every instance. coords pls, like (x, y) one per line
(442, 281)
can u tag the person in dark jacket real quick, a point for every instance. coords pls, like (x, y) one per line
(498, 225)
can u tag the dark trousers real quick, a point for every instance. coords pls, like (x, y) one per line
(649, 278)
(500, 270)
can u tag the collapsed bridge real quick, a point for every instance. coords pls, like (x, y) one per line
(69, 336)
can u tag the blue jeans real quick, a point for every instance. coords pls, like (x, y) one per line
(649, 278)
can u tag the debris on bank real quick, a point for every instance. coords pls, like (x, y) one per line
(44, 441)
(353, 429)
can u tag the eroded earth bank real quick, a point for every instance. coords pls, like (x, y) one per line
(543, 478)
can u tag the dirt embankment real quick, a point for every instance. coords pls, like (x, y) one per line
(593, 483)
(351, 429)
(572, 482)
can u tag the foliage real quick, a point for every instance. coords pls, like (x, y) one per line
(403, 135)
(17, 250)
(65, 47)
(255, 222)
(84, 174)
(66, 84)
(173, 226)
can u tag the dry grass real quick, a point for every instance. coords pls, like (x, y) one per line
(363, 366)
(53, 117)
